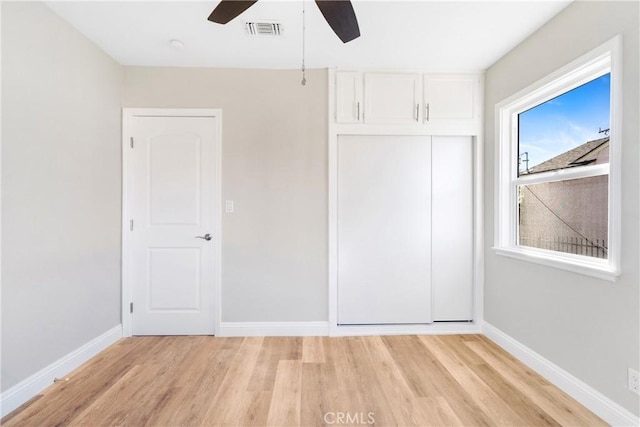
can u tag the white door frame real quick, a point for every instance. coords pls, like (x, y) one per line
(128, 114)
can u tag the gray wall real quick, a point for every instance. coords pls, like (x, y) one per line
(587, 326)
(274, 166)
(60, 190)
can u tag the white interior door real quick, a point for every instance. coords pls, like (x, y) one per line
(384, 229)
(173, 196)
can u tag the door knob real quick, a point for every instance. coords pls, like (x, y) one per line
(206, 237)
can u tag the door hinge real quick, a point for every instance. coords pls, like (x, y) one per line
(131, 140)
(131, 307)
(131, 225)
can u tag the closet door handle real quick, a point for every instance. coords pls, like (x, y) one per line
(358, 110)
(417, 112)
(206, 237)
(426, 111)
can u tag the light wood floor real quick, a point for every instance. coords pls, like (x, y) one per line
(395, 380)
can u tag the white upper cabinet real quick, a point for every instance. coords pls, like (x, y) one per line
(452, 103)
(392, 98)
(432, 104)
(349, 106)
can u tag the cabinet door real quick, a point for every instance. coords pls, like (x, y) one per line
(384, 229)
(348, 97)
(452, 103)
(452, 227)
(392, 98)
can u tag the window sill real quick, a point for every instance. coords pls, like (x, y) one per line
(600, 269)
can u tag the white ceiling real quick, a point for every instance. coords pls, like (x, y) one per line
(431, 35)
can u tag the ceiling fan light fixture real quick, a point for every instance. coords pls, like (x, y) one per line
(176, 44)
(339, 14)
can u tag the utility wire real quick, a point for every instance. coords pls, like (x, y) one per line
(563, 221)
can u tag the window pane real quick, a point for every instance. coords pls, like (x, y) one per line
(566, 216)
(567, 131)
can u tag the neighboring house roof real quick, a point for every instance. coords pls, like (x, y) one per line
(584, 154)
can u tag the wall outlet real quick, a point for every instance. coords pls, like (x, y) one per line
(634, 381)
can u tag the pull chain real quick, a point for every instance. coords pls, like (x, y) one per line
(304, 79)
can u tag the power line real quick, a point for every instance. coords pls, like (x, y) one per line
(563, 221)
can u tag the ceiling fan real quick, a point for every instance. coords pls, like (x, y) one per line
(339, 15)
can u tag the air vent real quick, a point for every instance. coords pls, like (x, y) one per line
(263, 28)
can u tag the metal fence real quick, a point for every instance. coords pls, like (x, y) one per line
(573, 245)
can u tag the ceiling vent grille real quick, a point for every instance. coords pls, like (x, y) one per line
(263, 28)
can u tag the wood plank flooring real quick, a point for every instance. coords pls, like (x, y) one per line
(457, 380)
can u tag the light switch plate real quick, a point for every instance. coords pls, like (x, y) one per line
(228, 206)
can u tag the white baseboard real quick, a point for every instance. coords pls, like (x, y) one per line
(592, 399)
(36, 383)
(443, 328)
(273, 329)
(317, 329)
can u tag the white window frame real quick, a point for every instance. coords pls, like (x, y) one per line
(606, 58)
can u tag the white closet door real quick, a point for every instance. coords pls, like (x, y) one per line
(384, 229)
(452, 227)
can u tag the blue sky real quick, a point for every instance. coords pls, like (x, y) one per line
(565, 122)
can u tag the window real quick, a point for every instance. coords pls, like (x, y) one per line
(558, 188)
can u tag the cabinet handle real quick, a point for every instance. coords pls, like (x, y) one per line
(358, 110)
(426, 112)
(417, 112)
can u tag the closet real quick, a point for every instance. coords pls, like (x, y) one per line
(402, 156)
(405, 229)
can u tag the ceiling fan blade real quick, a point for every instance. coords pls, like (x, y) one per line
(229, 9)
(341, 18)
